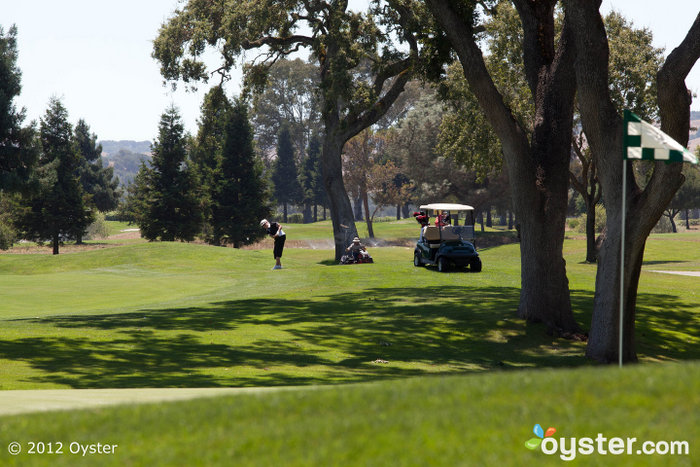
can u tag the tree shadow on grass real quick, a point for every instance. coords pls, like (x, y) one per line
(340, 338)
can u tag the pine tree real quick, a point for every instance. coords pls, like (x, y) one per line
(97, 180)
(239, 199)
(18, 151)
(59, 208)
(285, 175)
(206, 152)
(311, 179)
(171, 208)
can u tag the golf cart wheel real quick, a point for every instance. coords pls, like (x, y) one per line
(442, 264)
(476, 265)
(416, 260)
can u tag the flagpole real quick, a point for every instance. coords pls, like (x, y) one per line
(622, 252)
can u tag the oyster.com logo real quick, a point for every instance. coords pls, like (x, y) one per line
(534, 443)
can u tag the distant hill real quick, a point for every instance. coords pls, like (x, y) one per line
(125, 156)
(113, 147)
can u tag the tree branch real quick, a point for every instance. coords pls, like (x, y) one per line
(278, 42)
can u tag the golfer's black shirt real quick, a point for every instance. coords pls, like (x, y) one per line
(272, 230)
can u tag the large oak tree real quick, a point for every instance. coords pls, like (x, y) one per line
(361, 71)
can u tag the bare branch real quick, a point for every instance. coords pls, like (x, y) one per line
(279, 42)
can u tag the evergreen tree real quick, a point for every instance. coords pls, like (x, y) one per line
(285, 175)
(171, 210)
(311, 179)
(239, 199)
(18, 153)
(97, 180)
(59, 208)
(207, 149)
(135, 205)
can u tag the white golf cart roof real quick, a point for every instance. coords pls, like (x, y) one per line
(447, 207)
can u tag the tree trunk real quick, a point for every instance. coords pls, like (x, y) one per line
(55, 243)
(591, 249)
(398, 212)
(544, 295)
(307, 213)
(510, 220)
(687, 219)
(342, 216)
(315, 212)
(674, 229)
(357, 206)
(368, 218)
(284, 212)
(489, 221)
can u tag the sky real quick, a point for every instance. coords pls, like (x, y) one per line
(95, 55)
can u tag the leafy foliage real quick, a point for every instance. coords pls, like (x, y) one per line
(466, 135)
(291, 97)
(634, 62)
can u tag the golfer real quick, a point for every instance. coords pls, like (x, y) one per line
(275, 231)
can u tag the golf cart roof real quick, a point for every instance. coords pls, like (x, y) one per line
(447, 207)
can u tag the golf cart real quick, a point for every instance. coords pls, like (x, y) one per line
(447, 243)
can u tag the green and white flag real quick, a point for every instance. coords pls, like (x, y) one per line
(645, 141)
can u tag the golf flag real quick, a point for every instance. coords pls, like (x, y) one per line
(645, 141)
(641, 140)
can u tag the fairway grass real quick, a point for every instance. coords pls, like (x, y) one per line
(375, 364)
(479, 420)
(185, 315)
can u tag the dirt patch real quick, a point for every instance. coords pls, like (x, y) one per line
(34, 249)
(130, 235)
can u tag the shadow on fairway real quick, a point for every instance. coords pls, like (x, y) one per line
(349, 337)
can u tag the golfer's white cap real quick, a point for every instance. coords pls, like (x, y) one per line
(263, 222)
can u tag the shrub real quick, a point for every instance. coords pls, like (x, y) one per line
(663, 226)
(98, 229)
(296, 218)
(7, 235)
